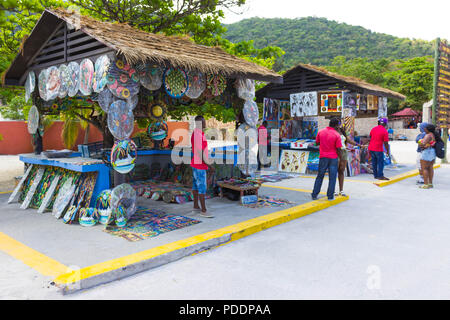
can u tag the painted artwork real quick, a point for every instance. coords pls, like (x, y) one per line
(100, 73)
(64, 73)
(382, 107)
(351, 102)
(313, 161)
(197, 84)
(372, 102)
(150, 76)
(310, 127)
(353, 164)
(293, 161)
(122, 80)
(86, 76)
(53, 83)
(349, 125)
(74, 83)
(120, 120)
(271, 107)
(251, 113)
(362, 102)
(331, 102)
(285, 130)
(304, 104)
(285, 110)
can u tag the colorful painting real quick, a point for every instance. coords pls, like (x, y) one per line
(53, 83)
(216, 84)
(197, 84)
(122, 80)
(74, 84)
(120, 120)
(362, 98)
(353, 164)
(313, 161)
(65, 81)
(349, 125)
(304, 104)
(351, 102)
(86, 76)
(382, 107)
(20, 184)
(176, 82)
(285, 110)
(150, 76)
(285, 130)
(42, 84)
(310, 128)
(33, 120)
(271, 109)
(331, 102)
(293, 161)
(99, 79)
(372, 102)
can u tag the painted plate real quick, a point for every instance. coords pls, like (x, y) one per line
(65, 81)
(150, 76)
(101, 72)
(217, 84)
(122, 80)
(42, 84)
(245, 89)
(30, 85)
(63, 198)
(124, 195)
(105, 99)
(132, 102)
(53, 83)
(74, 84)
(176, 82)
(123, 156)
(120, 120)
(158, 111)
(197, 84)
(251, 113)
(86, 76)
(33, 120)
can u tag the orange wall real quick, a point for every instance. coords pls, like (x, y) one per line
(16, 138)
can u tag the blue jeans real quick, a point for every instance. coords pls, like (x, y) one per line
(377, 163)
(332, 166)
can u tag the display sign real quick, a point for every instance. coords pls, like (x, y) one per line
(443, 87)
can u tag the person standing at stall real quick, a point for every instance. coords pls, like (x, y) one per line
(199, 164)
(263, 144)
(379, 137)
(420, 136)
(329, 142)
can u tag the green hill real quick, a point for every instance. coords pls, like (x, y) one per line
(319, 40)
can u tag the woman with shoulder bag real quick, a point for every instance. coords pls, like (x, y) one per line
(428, 156)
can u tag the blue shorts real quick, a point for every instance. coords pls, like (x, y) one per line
(428, 154)
(199, 180)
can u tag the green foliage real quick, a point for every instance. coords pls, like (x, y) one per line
(318, 41)
(69, 133)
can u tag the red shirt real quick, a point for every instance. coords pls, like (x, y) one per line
(199, 143)
(262, 135)
(378, 135)
(329, 141)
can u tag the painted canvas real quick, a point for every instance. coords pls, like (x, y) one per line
(271, 109)
(313, 161)
(362, 102)
(285, 110)
(353, 165)
(293, 161)
(310, 127)
(304, 104)
(331, 102)
(349, 125)
(285, 130)
(372, 102)
(351, 102)
(382, 107)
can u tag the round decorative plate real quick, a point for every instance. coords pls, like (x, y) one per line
(33, 120)
(158, 111)
(245, 89)
(197, 84)
(65, 81)
(53, 83)
(217, 84)
(132, 102)
(176, 82)
(120, 120)
(123, 156)
(30, 85)
(251, 113)
(74, 84)
(150, 76)
(105, 99)
(122, 80)
(157, 131)
(101, 72)
(124, 195)
(86, 75)
(42, 84)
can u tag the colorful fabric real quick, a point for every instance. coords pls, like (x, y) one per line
(265, 202)
(199, 145)
(378, 136)
(329, 141)
(199, 180)
(148, 223)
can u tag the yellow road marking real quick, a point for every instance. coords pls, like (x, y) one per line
(3, 192)
(402, 176)
(32, 258)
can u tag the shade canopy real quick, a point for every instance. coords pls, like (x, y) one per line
(407, 112)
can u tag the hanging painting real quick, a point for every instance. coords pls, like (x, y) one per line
(99, 79)
(304, 104)
(310, 127)
(331, 102)
(353, 164)
(150, 76)
(351, 102)
(33, 120)
(123, 156)
(372, 102)
(382, 107)
(216, 84)
(120, 120)
(270, 109)
(30, 84)
(105, 99)
(42, 84)
(362, 98)
(293, 161)
(285, 130)
(65, 81)
(74, 84)
(122, 80)
(176, 82)
(285, 110)
(197, 84)
(86, 75)
(53, 83)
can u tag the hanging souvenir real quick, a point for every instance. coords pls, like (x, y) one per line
(53, 83)
(122, 80)
(30, 84)
(101, 72)
(248, 141)
(120, 120)
(33, 120)
(197, 84)
(103, 206)
(123, 156)
(245, 89)
(123, 195)
(105, 99)
(150, 76)
(158, 111)
(157, 131)
(132, 102)
(86, 75)
(65, 81)
(74, 83)
(175, 82)
(42, 84)
(251, 113)
(216, 84)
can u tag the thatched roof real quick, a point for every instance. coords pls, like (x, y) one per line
(140, 46)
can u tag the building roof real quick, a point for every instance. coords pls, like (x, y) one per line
(407, 112)
(138, 46)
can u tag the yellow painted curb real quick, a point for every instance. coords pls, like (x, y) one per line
(32, 258)
(401, 177)
(3, 192)
(236, 231)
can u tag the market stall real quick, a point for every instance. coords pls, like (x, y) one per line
(73, 64)
(302, 105)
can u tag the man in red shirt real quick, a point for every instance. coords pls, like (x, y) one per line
(330, 142)
(379, 136)
(199, 164)
(262, 144)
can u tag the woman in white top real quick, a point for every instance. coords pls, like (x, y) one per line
(343, 158)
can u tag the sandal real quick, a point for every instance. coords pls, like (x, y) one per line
(206, 215)
(426, 186)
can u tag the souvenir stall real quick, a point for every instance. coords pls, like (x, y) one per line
(84, 64)
(307, 99)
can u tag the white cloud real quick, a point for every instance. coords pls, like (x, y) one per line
(417, 19)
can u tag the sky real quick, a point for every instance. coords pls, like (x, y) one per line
(419, 19)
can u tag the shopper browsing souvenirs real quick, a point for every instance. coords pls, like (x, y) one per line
(379, 138)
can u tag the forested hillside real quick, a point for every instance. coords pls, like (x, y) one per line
(318, 41)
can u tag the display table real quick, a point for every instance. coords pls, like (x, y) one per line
(241, 190)
(75, 163)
